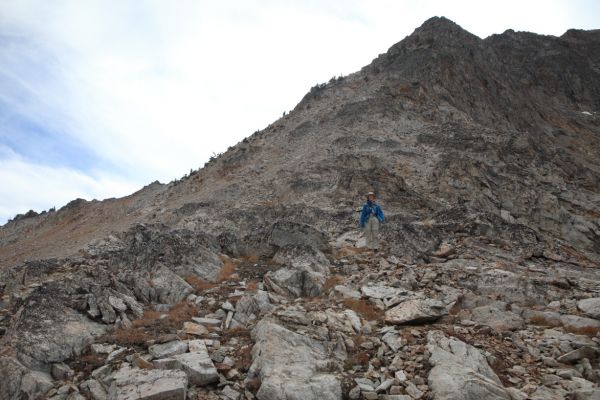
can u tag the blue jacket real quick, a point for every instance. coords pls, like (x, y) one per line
(370, 208)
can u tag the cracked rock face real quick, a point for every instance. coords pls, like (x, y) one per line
(460, 371)
(148, 384)
(292, 366)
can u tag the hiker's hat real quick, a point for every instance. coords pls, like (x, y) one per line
(370, 194)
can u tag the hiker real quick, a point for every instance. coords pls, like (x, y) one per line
(370, 218)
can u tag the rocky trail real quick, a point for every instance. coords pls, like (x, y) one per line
(248, 279)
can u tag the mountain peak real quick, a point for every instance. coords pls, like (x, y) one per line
(442, 28)
(437, 23)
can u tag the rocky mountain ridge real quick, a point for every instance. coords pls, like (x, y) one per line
(247, 279)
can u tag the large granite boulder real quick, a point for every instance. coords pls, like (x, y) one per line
(292, 366)
(460, 371)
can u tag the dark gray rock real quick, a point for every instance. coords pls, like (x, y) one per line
(289, 233)
(501, 320)
(295, 282)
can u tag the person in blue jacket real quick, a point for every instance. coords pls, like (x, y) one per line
(371, 217)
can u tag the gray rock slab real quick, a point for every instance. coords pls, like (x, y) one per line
(460, 371)
(578, 354)
(292, 366)
(117, 303)
(198, 366)
(381, 291)
(169, 287)
(168, 349)
(93, 389)
(12, 372)
(35, 384)
(500, 320)
(415, 311)
(207, 321)
(543, 318)
(62, 333)
(295, 282)
(148, 384)
(590, 307)
(577, 323)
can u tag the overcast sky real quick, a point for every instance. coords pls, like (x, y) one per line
(99, 98)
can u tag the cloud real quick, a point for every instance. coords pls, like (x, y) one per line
(26, 186)
(121, 93)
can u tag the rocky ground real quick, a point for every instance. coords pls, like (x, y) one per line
(484, 318)
(248, 278)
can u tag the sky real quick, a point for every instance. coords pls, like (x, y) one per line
(99, 98)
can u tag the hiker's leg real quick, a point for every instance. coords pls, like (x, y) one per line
(369, 233)
(375, 229)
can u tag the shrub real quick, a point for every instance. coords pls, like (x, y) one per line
(332, 281)
(365, 309)
(199, 284)
(360, 358)
(227, 270)
(151, 325)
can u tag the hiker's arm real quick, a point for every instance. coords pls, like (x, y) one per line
(363, 216)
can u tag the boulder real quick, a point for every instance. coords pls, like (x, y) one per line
(304, 258)
(117, 303)
(500, 320)
(250, 307)
(460, 371)
(381, 291)
(19, 382)
(289, 233)
(415, 311)
(292, 366)
(590, 307)
(543, 318)
(197, 365)
(46, 333)
(207, 321)
(109, 316)
(573, 356)
(61, 371)
(148, 384)
(294, 282)
(393, 340)
(12, 372)
(169, 287)
(168, 349)
(93, 390)
(35, 384)
(580, 324)
(194, 329)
